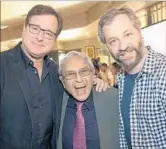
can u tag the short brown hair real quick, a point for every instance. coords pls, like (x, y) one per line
(108, 17)
(45, 10)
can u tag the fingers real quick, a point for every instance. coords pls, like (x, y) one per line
(102, 86)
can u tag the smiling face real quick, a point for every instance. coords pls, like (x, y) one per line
(36, 46)
(81, 84)
(124, 42)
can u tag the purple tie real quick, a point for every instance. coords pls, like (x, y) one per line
(79, 137)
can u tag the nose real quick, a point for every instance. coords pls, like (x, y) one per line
(78, 78)
(122, 45)
(40, 36)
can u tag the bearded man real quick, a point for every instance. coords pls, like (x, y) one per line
(141, 83)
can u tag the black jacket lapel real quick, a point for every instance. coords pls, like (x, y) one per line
(57, 95)
(20, 73)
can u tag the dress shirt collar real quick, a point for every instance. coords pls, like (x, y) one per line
(87, 103)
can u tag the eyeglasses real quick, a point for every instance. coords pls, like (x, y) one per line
(73, 74)
(35, 29)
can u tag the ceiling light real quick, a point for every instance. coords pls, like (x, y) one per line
(4, 26)
(69, 34)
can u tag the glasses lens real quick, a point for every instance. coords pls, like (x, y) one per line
(34, 29)
(49, 35)
(70, 75)
(84, 72)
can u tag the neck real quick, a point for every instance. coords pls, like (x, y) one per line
(38, 60)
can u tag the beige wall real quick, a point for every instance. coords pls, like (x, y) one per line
(80, 44)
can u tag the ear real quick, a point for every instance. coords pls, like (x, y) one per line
(23, 29)
(24, 26)
(61, 79)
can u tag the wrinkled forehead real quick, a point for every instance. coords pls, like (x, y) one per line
(75, 63)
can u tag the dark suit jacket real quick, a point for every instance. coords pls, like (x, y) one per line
(15, 113)
(107, 114)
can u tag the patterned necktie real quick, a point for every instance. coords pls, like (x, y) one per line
(79, 137)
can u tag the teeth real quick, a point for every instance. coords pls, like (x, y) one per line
(80, 87)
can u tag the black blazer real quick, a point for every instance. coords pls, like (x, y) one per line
(15, 113)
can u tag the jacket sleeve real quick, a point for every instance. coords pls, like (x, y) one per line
(1, 74)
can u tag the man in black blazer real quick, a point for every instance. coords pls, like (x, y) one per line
(30, 90)
(30, 85)
(95, 125)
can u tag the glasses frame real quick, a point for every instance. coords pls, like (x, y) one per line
(40, 29)
(78, 72)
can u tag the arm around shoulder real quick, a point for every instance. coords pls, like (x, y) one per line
(110, 93)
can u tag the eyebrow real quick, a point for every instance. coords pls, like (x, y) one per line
(128, 30)
(70, 71)
(112, 38)
(116, 37)
(84, 68)
(50, 31)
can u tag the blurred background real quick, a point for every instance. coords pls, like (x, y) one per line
(81, 23)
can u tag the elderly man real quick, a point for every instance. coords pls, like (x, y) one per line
(142, 84)
(89, 119)
(30, 90)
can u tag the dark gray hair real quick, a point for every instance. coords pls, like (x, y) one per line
(45, 10)
(72, 54)
(108, 17)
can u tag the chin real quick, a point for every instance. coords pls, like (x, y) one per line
(81, 98)
(38, 55)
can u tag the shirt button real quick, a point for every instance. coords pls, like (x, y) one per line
(39, 124)
(35, 71)
(40, 106)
